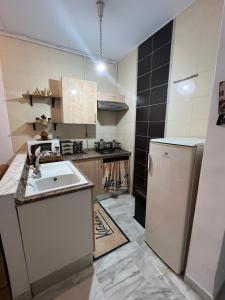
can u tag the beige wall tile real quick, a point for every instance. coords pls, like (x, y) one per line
(178, 128)
(179, 109)
(194, 50)
(127, 78)
(185, 47)
(204, 83)
(209, 30)
(198, 128)
(196, 14)
(27, 66)
(200, 107)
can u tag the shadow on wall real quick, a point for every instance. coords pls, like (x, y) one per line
(120, 115)
(75, 131)
(22, 100)
(107, 118)
(23, 130)
(219, 283)
(19, 100)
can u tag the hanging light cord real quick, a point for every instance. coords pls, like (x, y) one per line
(100, 5)
(100, 38)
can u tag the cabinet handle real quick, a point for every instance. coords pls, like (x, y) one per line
(149, 161)
(95, 118)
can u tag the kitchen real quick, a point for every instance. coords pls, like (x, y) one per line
(75, 153)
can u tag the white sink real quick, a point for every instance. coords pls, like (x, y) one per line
(54, 176)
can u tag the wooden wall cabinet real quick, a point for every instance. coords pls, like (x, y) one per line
(93, 169)
(79, 101)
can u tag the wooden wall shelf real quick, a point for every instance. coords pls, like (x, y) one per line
(35, 124)
(31, 97)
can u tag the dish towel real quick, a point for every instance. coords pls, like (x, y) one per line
(115, 175)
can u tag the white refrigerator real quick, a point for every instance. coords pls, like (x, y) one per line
(173, 175)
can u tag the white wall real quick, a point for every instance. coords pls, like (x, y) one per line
(127, 78)
(27, 66)
(6, 151)
(194, 50)
(206, 260)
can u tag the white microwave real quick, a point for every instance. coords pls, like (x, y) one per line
(50, 145)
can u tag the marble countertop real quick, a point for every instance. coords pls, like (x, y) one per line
(91, 154)
(14, 180)
(11, 179)
(20, 193)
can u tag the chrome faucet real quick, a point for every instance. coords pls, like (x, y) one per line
(37, 172)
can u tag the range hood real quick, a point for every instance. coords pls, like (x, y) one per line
(112, 106)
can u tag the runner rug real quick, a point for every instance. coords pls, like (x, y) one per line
(108, 235)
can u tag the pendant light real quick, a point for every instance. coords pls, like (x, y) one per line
(100, 65)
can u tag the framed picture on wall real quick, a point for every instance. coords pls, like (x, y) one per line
(221, 110)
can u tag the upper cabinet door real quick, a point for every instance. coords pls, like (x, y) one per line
(79, 101)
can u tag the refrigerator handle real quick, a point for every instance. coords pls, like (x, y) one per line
(149, 161)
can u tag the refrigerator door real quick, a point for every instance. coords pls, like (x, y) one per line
(168, 201)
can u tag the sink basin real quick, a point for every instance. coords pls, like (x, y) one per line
(54, 176)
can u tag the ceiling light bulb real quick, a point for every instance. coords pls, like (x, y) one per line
(101, 67)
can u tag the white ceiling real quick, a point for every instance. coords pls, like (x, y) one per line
(74, 24)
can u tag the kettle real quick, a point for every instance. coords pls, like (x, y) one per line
(115, 144)
(100, 145)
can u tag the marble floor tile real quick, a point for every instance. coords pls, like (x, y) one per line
(132, 272)
(89, 288)
(156, 289)
(121, 279)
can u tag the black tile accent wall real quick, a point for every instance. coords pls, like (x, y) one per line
(152, 85)
(161, 56)
(157, 113)
(143, 82)
(160, 76)
(142, 113)
(142, 128)
(156, 129)
(157, 95)
(140, 156)
(145, 65)
(163, 36)
(141, 142)
(145, 48)
(143, 98)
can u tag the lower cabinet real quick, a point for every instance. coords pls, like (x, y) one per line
(93, 169)
(57, 235)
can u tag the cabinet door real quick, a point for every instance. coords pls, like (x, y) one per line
(94, 171)
(168, 201)
(56, 233)
(79, 101)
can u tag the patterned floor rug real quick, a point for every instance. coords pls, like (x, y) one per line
(108, 235)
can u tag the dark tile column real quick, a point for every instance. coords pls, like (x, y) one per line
(152, 83)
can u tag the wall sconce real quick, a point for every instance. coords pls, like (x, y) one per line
(186, 86)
